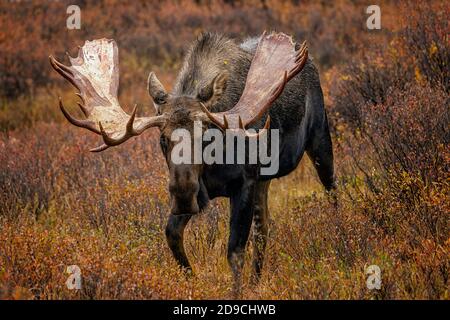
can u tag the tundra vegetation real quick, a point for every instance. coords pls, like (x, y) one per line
(387, 97)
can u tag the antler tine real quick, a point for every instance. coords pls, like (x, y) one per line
(83, 109)
(256, 135)
(301, 51)
(80, 96)
(99, 148)
(107, 139)
(63, 70)
(241, 123)
(59, 65)
(213, 118)
(76, 122)
(129, 132)
(267, 124)
(225, 122)
(129, 128)
(300, 60)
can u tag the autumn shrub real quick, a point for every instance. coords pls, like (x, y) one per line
(367, 82)
(409, 132)
(48, 163)
(402, 156)
(391, 122)
(426, 39)
(394, 171)
(392, 106)
(419, 52)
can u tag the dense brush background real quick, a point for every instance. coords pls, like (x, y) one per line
(387, 96)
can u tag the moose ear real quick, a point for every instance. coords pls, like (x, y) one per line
(156, 90)
(210, 94)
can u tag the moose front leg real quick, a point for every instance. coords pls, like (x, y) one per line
(260, 229)
(174, 234)
(240, 224)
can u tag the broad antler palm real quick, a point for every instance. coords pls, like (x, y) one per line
(95, 73)
(275, 63)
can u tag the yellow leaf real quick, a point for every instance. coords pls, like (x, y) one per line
(417, 74)
(433, 49)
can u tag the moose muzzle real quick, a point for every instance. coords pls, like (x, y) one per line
(183, 188)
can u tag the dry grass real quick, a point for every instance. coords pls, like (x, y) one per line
(61, 205)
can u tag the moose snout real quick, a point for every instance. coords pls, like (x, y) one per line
(183, 188)
(184, 206)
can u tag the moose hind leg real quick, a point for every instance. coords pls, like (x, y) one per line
(320, 151)
(260, 229)
(174, 234)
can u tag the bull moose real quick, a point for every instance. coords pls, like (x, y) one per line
(262, 83)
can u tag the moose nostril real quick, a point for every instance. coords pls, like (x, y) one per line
(184, 205)
(172, 187)
(192, 185)
(185, 189)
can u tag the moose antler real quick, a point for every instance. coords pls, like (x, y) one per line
(275, 62)
(95, 73)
